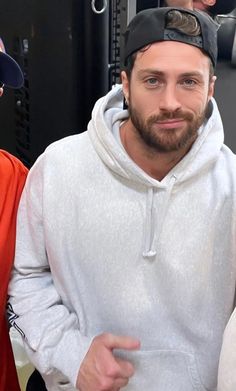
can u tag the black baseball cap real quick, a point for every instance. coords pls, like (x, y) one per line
(149, 26)
(10, 72)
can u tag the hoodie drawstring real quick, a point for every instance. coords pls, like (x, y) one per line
(148, 252)
(150, 225)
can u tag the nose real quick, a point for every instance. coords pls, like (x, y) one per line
(169, 100)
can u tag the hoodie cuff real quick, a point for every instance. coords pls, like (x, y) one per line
(70, 353)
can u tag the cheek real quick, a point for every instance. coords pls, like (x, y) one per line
(144, 103)
(195, 101)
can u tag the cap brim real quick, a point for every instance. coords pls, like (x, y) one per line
(10, 72)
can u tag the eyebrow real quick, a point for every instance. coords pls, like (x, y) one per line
(143, 72)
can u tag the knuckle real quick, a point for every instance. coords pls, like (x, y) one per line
(98, 337)
(124, 382)
(104, 336)
(105, 384)
(108, 336)
(112, 370)
(130, 369)
(99, 340)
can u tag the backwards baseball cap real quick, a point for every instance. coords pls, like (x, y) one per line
(150, 26)
(10, 72)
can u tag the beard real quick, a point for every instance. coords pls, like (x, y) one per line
(166, 140)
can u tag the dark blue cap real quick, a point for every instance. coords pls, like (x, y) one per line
(10, 72)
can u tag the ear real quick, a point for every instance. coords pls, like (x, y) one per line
(1, 92)
(125, 85)
(209, 3)
(211, 87)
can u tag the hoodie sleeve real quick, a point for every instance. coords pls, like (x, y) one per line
(51, 332)
(227, 363)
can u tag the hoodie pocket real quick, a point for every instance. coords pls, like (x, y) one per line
(163, 370)
(56, 381)
(65, 386)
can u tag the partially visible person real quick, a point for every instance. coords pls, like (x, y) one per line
(179, 3)
(203, 5)
(213, 7)
(12, 178)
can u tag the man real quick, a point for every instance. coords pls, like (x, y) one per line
(12, 177)
(124, 272)
(179, 3)
(213, 7)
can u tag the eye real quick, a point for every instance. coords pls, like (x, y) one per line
(189, 83)
(152, 82)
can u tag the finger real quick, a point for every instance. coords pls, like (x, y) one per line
(120, 342)
(119, 368)
(126, 368)
(110, 384)
(119, 383)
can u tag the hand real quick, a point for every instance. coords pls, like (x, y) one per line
(100, 370)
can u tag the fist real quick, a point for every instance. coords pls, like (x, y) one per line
(100, 369)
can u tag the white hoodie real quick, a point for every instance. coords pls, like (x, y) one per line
(103, 247)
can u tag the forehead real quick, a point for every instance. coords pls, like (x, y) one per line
(173, 56)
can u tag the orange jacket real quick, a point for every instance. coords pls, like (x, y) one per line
(12, 179)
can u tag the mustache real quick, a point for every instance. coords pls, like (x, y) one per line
(170, 115)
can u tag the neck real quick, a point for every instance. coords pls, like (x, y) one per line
(155, 164)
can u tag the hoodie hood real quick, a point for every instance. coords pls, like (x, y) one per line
(109, 109)
(204, 152)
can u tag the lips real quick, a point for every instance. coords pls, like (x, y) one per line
(173, 123)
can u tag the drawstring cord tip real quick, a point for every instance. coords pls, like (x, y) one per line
(149, 254)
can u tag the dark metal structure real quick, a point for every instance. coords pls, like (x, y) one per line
(62, 47)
